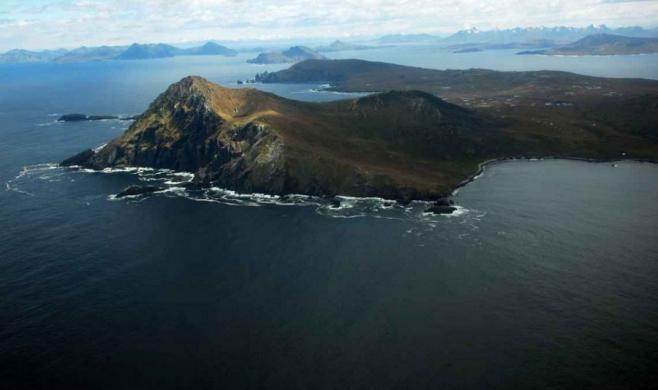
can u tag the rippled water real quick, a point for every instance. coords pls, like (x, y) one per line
(546, 277)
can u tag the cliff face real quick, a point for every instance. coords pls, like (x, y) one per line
(199, 127)
(402, 145)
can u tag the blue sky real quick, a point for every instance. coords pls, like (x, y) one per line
(37, 24)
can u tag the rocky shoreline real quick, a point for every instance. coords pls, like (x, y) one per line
(441, 206)
(401, 145)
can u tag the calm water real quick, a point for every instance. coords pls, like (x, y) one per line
(545, 278)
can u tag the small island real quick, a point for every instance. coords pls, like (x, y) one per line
(345, 46)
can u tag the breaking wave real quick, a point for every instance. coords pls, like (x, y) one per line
(176, 184)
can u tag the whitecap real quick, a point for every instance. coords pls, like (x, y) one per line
(40, 170)
(349, 207)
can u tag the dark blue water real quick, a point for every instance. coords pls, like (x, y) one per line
(545, 278)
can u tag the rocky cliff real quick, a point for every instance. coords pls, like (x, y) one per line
(400, 145)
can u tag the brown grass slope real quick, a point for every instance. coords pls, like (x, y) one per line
(544, 112)
(400, 144)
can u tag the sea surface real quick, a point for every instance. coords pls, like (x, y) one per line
(546, 276)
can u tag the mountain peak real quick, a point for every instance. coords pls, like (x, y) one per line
(189, 85)
(192, 80)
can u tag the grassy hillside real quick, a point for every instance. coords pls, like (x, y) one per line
(555, 113)
(399, 144)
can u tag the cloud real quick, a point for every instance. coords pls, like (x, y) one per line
(53, 23)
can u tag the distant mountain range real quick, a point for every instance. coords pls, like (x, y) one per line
(477, 47)
(133, 52)
(464, 41)
(293, 54)
(559, 35)
(604, 44)
(20, 55)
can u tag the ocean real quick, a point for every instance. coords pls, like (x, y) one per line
(544, 278)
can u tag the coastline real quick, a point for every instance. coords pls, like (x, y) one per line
(483, 165)
(318, 199)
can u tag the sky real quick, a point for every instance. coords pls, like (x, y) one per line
(40, 24)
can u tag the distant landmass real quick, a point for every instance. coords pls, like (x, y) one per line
(559, 35)
(103, 53)
(602, 45)
(344, 46)
(210, 49)
(140, 52)
(473, 39)
(293, 54)
(403, 144)
(477, 47)
(84, 54)
(19, 55)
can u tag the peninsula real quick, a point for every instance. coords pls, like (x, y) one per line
(401, 144)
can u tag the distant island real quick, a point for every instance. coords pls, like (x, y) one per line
(478, 47)
(402, 144)
(104, 53)
(139, 52)
(293, 54)
(344, 46)
(603, 45)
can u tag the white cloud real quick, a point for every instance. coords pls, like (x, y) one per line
(53, 23)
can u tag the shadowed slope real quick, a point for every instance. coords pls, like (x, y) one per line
(402, 145)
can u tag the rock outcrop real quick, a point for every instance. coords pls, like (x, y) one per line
(139, 191)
